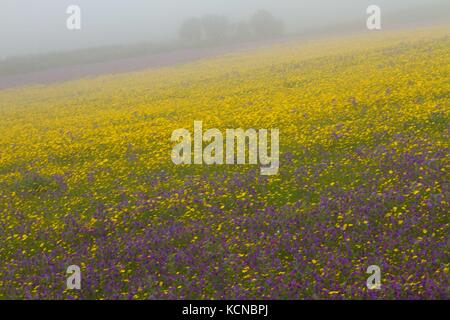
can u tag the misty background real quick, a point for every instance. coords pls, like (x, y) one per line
(34, 27)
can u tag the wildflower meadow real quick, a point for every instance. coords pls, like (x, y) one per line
(87, 179)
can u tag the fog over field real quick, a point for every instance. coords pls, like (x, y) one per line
(30, 27)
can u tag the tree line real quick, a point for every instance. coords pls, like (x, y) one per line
(218, 28)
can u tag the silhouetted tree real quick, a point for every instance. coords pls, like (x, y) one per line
(215, 27)
(243, 30)
(191, 30)
(264, 25)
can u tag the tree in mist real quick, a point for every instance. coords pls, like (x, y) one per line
(191, 30)
(265, 25)
(243, 31)
(215, 27)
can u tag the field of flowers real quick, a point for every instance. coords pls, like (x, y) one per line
(86, 177)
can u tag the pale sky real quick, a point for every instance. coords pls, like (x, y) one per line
(38, 26)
